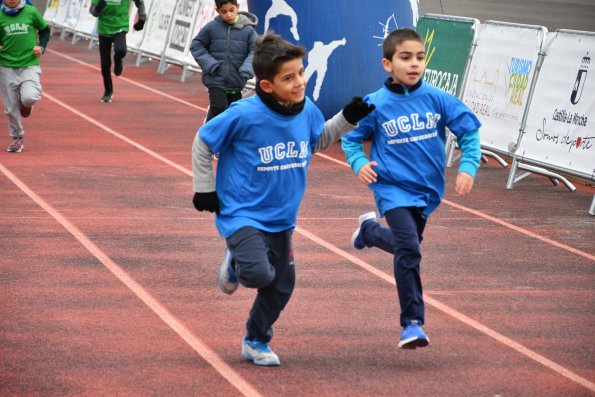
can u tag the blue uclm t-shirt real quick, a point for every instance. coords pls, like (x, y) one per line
(263, 160)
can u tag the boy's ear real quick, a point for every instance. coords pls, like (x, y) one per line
(266, 86)
(387, 65)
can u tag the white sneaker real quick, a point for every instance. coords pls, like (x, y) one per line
(259, 353)
(357, 239)
(227, 278)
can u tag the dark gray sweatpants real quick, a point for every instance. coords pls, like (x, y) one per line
(264, 261)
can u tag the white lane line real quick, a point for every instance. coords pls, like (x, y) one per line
(194, 342)
(496, 220)
(153, 90)
(457, 315)
(461, 317)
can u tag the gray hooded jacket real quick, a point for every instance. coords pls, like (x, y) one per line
(224, 52)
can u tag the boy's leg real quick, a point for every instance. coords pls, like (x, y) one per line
(217, 102)
(407, 226)
(264, 261)
(105, 50)
(376, 235)
(233, 96)
(30, 88)
(120, 50)
(9, 89)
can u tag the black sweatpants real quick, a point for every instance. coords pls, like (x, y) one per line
(403, 238)
(118, 41)
(219, 100)
(264, 261)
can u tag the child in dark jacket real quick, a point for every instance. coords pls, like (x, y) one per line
(224, 49)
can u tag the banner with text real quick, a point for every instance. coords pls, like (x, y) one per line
(157, 26)
(499, 80)
(448, 45)
(560, 128)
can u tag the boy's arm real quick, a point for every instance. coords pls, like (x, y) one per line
(142, 15)
(44, 38)
(354, 154)
(205, 195)
(96, 9)
(470, 146)
(199, 50)
(343, 122)
(246, 70)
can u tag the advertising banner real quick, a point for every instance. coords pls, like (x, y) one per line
(51, 9)
(343, 40)
(499, 80)
(448, 46)
(180, 33)
(157, 26)
(560, 128)
(134, 38)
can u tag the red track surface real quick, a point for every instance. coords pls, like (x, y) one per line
(107, 275)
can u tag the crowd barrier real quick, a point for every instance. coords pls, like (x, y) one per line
(530, 88)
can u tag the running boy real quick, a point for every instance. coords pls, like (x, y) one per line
(265, 143)
(112, 26)
(224, 49)
(20, 70)
(407, 165)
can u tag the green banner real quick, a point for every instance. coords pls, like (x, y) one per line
(448, 44)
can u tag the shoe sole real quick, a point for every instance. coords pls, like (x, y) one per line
(360, 220)
(413, 343)
(261, 363)
(222, 285)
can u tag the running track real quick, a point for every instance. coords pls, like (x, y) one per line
(107, 275)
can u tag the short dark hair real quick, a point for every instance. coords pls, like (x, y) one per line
(271, 52)
(221, 3)
(395, 38)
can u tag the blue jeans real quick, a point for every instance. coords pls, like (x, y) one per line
(402, 239)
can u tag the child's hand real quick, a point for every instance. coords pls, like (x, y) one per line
(356, 110)
(37, 51)
(464, 183)
(366, 174)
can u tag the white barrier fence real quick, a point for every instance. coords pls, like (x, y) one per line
(531, 89)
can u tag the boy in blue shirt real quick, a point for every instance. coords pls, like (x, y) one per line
(407, 165)
(265, 143)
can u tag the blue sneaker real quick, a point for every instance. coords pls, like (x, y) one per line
(259, 353)
(412, 337)
(357, 239)
(227, 278)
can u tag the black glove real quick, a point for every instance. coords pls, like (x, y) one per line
(139, 25)
(96, 9)
(206, 202)
(357, 109)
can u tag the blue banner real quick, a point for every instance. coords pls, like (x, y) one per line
(343, 40)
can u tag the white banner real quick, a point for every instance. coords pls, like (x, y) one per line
(72, 15)
(86, 22)
(499, 80)
(61, 13)
(560, 129)
(134, 38)
(180, 33)
(157, 26)
(51, 9)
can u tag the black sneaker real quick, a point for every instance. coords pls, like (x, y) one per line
(118, 66)
(107, 97)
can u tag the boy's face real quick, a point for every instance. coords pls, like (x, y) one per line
(408, 62)
(12, 3)
(289, 84)
(228, 12)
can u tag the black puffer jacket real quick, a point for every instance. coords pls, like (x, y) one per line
(224, 52)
